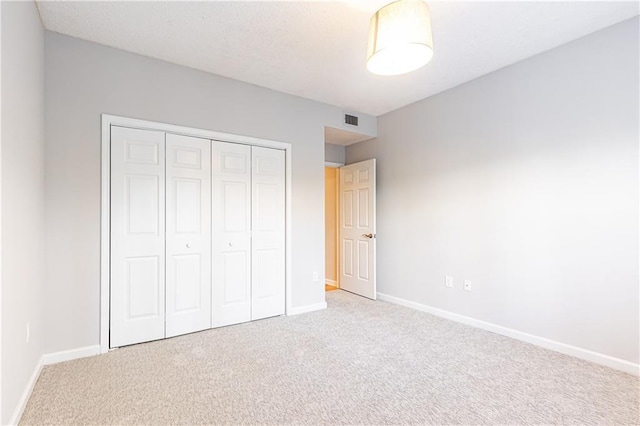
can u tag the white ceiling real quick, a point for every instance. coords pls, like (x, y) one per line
(317, 49)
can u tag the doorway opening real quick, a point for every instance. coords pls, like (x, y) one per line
(350, 217)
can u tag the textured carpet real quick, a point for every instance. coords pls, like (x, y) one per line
(358, 362)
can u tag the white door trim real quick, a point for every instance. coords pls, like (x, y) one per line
(105, 208)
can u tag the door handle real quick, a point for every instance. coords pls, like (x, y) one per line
(368, 235)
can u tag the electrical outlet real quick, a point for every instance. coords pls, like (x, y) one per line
(28, 331)
(448, 281)
(467, 285)
(315, 276)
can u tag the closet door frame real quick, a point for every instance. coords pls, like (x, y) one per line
(105, 206)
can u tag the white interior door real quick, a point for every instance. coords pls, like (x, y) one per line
(231, 224)
(188, 234)
(137, 310)
(358, 228)
(268, 225)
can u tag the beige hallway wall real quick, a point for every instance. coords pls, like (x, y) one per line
(330, 220)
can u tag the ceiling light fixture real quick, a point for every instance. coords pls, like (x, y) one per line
(400, 38)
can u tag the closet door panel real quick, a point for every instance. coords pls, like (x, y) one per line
(231, 224)
(137, 309)
(268, 225)
(188, 230)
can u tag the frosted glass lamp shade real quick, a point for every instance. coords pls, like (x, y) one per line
(400, 38)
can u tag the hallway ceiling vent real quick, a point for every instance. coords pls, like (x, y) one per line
(351, 119)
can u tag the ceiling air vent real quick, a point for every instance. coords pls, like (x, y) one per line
(351, 119)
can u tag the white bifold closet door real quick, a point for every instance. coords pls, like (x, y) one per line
(231, 224)
(160, 235)
(188, 234)
(268, 225)
(137, 236)
(248, 223)
(197, 234)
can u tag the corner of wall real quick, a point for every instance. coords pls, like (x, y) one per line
(21, 205)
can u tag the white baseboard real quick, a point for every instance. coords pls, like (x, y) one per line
(596, 357)
(48, 359)
(62, 356)
(24, 398)
(331, 282)
(308, 308)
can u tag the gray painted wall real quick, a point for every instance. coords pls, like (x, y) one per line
(334, 153)
(84, 80)
(524, 181)
(22, 181)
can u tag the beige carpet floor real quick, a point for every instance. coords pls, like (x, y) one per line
(358, 362)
